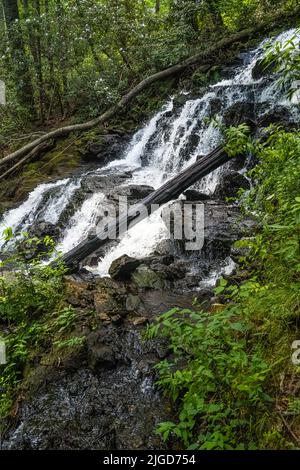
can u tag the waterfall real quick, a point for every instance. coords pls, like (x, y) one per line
(22, 217)
(81, 222)
(169, 142)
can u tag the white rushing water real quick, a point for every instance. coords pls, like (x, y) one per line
(81, 222)
(24, 215)
(169, 142)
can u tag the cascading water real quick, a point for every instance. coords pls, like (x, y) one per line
(171, 140)
(22, 217)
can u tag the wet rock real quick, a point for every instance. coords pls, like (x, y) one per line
(43, 229)
(36, 245)
(100, 355)
(215, 106)
(160, 301)
(261, 69)
(109, 297)
(189, 146)
(197, 92)
(133, 302)
(105, 148)
(102, 183)
(110, 403)
(241, 112)
(165, 247)
(194, 195)
(134, 192)
(230, 185)
(122, 268)
(278, 115)
(169, 273)
(146, 277)
(180, 99)
(79, 294)
(165, 259)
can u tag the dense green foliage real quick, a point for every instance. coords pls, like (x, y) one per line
(35, 317)
(231, 372)
(64, 57)
(284, 58)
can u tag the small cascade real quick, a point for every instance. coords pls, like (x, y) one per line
(22, 217)
(82, 222)
(58, 201)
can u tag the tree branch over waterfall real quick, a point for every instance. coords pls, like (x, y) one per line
(204, 57)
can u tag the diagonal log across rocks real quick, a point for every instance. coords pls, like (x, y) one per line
(167, 192)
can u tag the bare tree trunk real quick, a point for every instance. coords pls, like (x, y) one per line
(39, 64)
(18, 54)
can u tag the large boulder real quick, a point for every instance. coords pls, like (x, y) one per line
(103, 183)
(134, 192)
(230, 185)
(105, 148)
(147, 278)
(122, 268)
(241, 112)
(277, 115)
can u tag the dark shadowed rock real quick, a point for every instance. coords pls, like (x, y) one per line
(43, 229)
(215, 106)
(261, 69)
(38, 231)
(100, 355)
(194, 195)
(277, 115)
(105, 148)
(241, 112)
(230, 184)
(123, 267)
(106, 401)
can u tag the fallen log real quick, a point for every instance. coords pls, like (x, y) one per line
(167, 192)
(36, 152)
(206, 56)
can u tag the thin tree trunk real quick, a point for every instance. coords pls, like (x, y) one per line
(39, 64)
(18, 54)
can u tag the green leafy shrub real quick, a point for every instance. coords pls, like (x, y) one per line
(28, 295)
(214, 378)
(228, 365)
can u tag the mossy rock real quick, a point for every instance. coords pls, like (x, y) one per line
(145, 277)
